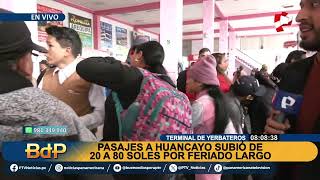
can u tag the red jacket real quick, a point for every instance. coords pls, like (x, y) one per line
(224, 83)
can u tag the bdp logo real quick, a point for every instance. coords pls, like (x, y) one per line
(281, 20)
(217, 167)
(117, 168)
(34, 150)
(14, 168)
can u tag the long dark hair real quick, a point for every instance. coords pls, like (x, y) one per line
(131, 51)
(153, 56)
(221, 117)
(219, 57)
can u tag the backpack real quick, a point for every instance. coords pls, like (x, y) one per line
(158, 109)
(41, 76)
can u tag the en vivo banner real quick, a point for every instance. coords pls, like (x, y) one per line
(42, 25)
(84, 27)
(105, 35)
(121, 36)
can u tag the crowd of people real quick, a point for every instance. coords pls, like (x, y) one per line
(145, 103)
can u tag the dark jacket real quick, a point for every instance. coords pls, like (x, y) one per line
(119, 77)
(260, 108)
(126, 81)
(182, 85)
(237, 114)
(123, 79)
(295, 80)
(181, 81)
(21, 104)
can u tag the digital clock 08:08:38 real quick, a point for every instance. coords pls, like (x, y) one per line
(264, 137)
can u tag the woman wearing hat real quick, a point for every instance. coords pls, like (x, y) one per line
(208, 110)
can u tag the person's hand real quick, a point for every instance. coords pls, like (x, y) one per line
(275, 127)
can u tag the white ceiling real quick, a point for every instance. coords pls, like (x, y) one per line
(192, 27)
(156, 30)
(109, 4)
(197, 36)
(186, 28)
(242, 7)
(264, 32)
(139, 17)
(254, 22)
(194, 12)
(190, 12)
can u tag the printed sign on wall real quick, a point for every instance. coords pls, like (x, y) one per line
(84, 28)
(42, 25)
(105, 35)
(138, 38)
(121, 36)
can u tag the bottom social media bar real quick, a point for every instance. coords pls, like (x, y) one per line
(138, 168)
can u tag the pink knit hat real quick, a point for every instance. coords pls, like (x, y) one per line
(205, 71)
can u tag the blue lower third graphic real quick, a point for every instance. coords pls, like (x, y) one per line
(32, 17)
(138, 168)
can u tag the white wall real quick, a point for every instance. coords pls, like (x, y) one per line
(268, 56)
(27, 6)
(119, 52)
(196, 46)
(272, 49)
(65, 10)
(151, 35)
(216, 45)
(249, 43)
